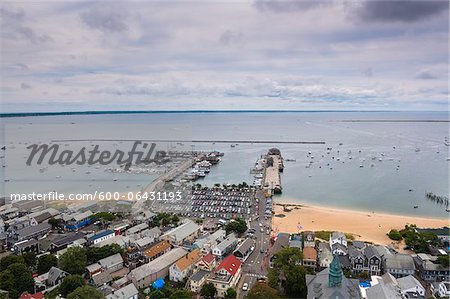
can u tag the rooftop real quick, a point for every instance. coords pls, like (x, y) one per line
(157, 249)
(190, 259)
(157, 264)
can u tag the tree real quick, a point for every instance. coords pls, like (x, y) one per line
(444, 260)
(29, 259)
(9, 260)
(86, 292)
(55, 223)
(395, 235)
(364, 275)
(70, 284)
(272, 277)
(45, 263)
(73, 261)
(295, 285)
(17, 279)
(175, 219)
(181, 294)
(208, 291)
(262, 290)
(230, 293)
(287, 256)
(238, 226)
(94, 254)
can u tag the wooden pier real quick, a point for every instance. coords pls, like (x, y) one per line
(274, 165)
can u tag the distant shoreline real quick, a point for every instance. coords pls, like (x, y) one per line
(105, 112)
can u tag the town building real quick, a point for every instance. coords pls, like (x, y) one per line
(184, 266)
(226, 246)
(226, 275)
(197, 280)
(146, 274)
(331, 283)
(186, 232)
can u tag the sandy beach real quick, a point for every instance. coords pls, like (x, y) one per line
(366, 226)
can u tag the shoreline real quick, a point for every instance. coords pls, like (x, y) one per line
(306, 205)
(365, 226)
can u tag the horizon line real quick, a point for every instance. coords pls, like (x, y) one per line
(104, 112)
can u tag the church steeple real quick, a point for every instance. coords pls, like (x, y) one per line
(335, 274)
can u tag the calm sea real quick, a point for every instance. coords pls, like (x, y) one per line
(372, 166)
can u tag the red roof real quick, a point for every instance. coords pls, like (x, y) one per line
(25, 295)
(209, 258)
(231, 264)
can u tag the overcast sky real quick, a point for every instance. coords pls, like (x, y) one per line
(253, 54)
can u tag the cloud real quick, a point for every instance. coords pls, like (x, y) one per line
(280, 6)
(25, 86)
(13, 27)
(104, 21)
(400, 10)
(426, 75)
(231, 38)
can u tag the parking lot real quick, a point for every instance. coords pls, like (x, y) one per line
(218, 203)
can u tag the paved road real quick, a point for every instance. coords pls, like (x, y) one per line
(256, 264)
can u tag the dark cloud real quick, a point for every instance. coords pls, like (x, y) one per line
(231, 38)
(25, 85)
(13, 26)
(400, 10)
(367, 72)
(426, 75)
(288, 5)
(104, 21)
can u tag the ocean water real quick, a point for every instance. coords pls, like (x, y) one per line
(413, 154)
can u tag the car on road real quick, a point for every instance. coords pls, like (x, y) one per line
(245, 287)
(262, 250)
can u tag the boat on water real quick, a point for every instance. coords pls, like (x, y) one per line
(232, 145)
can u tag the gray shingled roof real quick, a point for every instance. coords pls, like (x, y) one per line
(399, 261)
(318, 287)
(54, 273)
(157, 264)
(126, 292)
(408, 282)
(245, 246)
(197, 276)
(112, 260)
(383, 291)
(31, 230)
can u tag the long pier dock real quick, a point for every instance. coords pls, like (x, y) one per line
(274, 165)
(195, 141)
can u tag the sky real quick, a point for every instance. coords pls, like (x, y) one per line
(224, 55)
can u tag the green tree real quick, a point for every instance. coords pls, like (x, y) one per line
(9, 260)
(238, 226)
(45, 263)
(230, 293)
(94, 254)
(181, 294)
(364, 275)
(262, 290)
(295, 285)
(70, 284)
(286, 257)
(7, 281)
(55, 223)
(17, 279)
(208, 291)
(29, 259)
(86, 292)
(175, 219)
(395, 235)
(444, 260)
(272, 277)
(73, 261)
